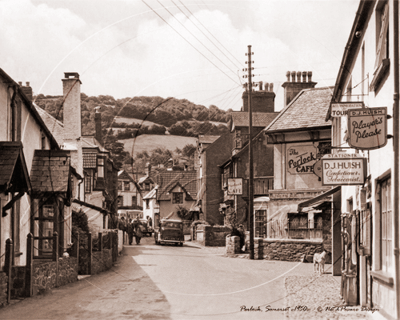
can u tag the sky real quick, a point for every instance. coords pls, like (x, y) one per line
(187, 49)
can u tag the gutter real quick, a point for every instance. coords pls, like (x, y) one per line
(396, 150)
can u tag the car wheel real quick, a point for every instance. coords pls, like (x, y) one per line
(181, 244)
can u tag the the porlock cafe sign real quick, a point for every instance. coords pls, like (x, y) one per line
(301, 159)
(343, 169)
(367, 128)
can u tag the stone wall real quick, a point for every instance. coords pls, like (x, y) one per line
(232, 245)
(67, 270)
(18, 281)
(101, 261)
(3, 289)
(290, 249)
(45, 274)
(212, 235)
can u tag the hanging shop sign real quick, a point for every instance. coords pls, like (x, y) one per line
(301, 159)
(343, 169)
(340, 109)
(367, 128)
(235, 186)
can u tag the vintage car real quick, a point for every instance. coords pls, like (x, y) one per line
(145, 228)
(169, 231)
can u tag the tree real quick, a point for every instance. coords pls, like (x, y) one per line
(188, 150)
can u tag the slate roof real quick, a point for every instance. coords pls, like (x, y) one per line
(307, 110)
(50, 171)
(91, 142)
(55, 126)
(208, 139)
(13, 171)
(260, 119)
(169, 179)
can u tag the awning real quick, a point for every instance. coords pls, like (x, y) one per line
(318, 200)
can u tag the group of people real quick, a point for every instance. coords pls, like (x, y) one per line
(135, 229)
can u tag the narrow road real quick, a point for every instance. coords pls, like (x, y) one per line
(168, 282)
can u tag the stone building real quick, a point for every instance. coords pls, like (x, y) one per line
(299, 137)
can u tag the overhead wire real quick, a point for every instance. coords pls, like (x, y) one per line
(188, 42)
(195, 36)
(239, 63)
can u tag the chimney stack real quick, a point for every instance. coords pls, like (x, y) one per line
(97, 122)
(27, 90)
(148, 169)
(292, 88)
(72, 106)
(262, 100)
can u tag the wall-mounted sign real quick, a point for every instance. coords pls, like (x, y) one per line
(235, 186)
(367, 128)
(343, 169)
(301, 159)
(339, 109)
(318, 168)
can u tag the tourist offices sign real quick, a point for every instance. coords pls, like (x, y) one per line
(343, 169)
(340, 109)
(367, 128)
(235, 186)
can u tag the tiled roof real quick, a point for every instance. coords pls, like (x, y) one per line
(55, 127)
(50, 171)
(91, 142)
(13, 167)
(260, 119)
(168, 179)
(307, 110)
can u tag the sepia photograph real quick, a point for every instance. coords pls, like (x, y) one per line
(199, 159)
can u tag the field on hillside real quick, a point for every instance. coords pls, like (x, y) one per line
(132, 120)
(152, 141)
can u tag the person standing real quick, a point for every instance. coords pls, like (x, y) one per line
(149, 222)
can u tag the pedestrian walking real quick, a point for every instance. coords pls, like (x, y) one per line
(149, 222)
(131, 231)
(138, 230)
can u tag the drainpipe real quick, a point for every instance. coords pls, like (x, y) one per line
(396, 149)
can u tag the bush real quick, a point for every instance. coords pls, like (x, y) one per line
(79, 222)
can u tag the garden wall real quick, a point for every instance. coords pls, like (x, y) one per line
(3, 289)
(212, 235)
(290, 249)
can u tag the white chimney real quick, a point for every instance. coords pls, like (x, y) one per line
(72, 106)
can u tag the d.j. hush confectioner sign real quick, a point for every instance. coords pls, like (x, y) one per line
(343, 169)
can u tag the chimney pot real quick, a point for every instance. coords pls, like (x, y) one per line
(293, 76)
(20, 83)
(304, 74)
(309, 76)
(271, 87)
(27, 83)
(288, 76)
(260, 84)
(298, 76)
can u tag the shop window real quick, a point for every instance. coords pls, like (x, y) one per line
(386, 223)
(126, 186)
(177, 197)
(382, 45)
(259, 223)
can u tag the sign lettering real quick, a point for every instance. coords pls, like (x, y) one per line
(343, 171)
(301, 159)
(340, 109)
(235, 186)
(367, 128)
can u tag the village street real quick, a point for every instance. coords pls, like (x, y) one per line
(168, 282)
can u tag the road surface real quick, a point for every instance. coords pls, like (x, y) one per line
(168, 282)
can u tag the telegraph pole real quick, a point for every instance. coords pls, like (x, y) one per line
(251, 173)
